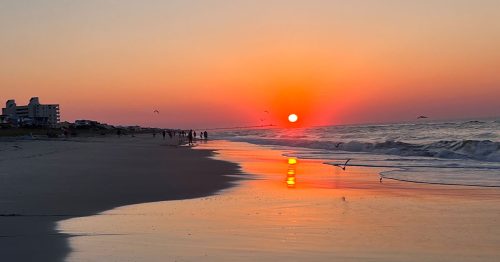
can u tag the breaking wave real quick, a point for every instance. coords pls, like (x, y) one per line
(483, 150)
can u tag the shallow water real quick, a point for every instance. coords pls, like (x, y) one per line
(299, 210)
(454, 153)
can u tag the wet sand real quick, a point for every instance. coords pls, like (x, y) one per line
(43, 182)
(303, 211)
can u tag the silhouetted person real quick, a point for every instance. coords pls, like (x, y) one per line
(190, 137)
(163, 133)
(194, 135)
(119, 132)
(205, 134)
(154, 134)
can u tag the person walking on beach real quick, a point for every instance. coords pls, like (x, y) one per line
(205, 134)
(190, 137)
(194, 135)
(163, 133)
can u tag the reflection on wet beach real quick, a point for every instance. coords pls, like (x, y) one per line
(330, 214)
(290, 174)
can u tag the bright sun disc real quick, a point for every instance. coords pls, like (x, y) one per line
(293, 118)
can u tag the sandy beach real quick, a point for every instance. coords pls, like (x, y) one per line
(298, 210)
(43, 182)
(144, 199)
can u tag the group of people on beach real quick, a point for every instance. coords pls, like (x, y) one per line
(191, 135)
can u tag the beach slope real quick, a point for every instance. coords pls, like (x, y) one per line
(42, 182)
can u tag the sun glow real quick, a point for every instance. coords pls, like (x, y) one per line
(293, 118)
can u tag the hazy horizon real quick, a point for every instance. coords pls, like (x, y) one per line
(223, 63)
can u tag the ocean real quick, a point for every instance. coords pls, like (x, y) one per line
(436, 152)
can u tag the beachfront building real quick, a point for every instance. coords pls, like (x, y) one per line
(91, 124)
(33, 114)
(86, 123)
(4, 122)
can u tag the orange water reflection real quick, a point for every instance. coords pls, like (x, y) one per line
(282, 172)
(290, 174)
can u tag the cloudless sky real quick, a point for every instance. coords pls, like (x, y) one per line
(223, 63)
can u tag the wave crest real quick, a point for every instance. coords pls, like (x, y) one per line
(484, 150)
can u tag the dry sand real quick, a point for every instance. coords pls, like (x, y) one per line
(42, 182)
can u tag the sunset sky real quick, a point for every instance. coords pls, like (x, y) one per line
(223, 63)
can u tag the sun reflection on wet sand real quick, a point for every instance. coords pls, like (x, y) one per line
(290, 174)
(329, 214)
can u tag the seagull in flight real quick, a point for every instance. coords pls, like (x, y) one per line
(156, 111)
(344, 165)
(421, 117)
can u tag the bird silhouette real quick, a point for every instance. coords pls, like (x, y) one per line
(156, 111)
(421, 117)
(344, 165)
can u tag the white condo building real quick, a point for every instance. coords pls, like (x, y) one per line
(34, 113)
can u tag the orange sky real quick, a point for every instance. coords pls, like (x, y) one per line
(223, 63)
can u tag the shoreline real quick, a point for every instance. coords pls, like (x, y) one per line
(320, 208)
(304, 211)
(43, 182)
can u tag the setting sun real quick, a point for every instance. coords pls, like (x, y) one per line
(293, 118)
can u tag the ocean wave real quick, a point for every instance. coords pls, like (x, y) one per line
(484, 150)
(451, 153)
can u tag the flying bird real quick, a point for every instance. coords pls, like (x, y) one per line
(156, 111)
(344, 165)
(420, 117)
(265, 111)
